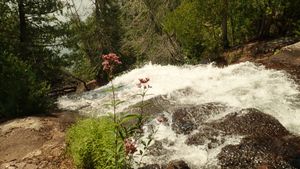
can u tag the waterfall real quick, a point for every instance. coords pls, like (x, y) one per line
(243, 85)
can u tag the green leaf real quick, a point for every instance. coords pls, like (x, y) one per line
(120, 147)
(149, 141)
(129, 117)
(144, 143)
(118, 102)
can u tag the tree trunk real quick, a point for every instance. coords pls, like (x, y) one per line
(22, 29)
(224, 25)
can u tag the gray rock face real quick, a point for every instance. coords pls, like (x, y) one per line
(252, 152)
(265, 143)
(175, 164)
(250, 122)
(187, 118)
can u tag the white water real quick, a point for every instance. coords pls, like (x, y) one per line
(242, 85)
(175, 147)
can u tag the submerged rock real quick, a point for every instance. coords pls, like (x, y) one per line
(265, 143)
(151, 108)
(187, 118)
(151, 166)
(250, 122)
(177, 164)
(252, 152)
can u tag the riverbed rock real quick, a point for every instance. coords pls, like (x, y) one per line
(187, 118)
(250, 122)
(177, 164)
(265, 143)
(151, 166)
(174, 164)
(280, 54)
(255, 152)
(151, 107)
(288, 59)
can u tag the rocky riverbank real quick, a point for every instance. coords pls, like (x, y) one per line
(36, 142)
(279, 54)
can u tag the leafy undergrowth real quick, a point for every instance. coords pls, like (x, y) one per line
(109, 142)
(91, 143)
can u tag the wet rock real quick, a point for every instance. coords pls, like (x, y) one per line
(266, 143)
(151, 166)
(208, 135)
(157, 149)
(250, 122)
(187, 118)
(151, 108)
(287, 58)
(177, 164)
(276, 153)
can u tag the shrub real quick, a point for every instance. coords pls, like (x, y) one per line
(109, 142)
(21, 93)
(91, 143)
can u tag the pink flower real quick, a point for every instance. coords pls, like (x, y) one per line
(161, 119)
(143, 83)
(109, 61)
(145, 80)
(130, 146)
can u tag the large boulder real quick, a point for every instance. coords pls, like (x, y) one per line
(175, 164)
(250, 122)
(265, 142)
(187, 118)
(254, 152)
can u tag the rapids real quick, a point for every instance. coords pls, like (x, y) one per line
(243, 85)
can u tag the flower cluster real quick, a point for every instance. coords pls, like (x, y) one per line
(143, 83)
(109, 61)
(130, 146)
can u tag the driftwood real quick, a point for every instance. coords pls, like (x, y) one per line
(62, 91)
(76, 78)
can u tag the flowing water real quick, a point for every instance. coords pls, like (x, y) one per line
(243, 85)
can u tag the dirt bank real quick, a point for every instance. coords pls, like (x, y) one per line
(36, 142)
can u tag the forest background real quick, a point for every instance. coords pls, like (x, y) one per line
(45, 44)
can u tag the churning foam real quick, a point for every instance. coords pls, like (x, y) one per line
(173, 147)
(241, 85)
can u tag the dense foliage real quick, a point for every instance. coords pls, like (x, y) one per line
(139, 31)
(30, 43)
(91, 142)
(21, 93)
(204, 27)
(187, 31)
